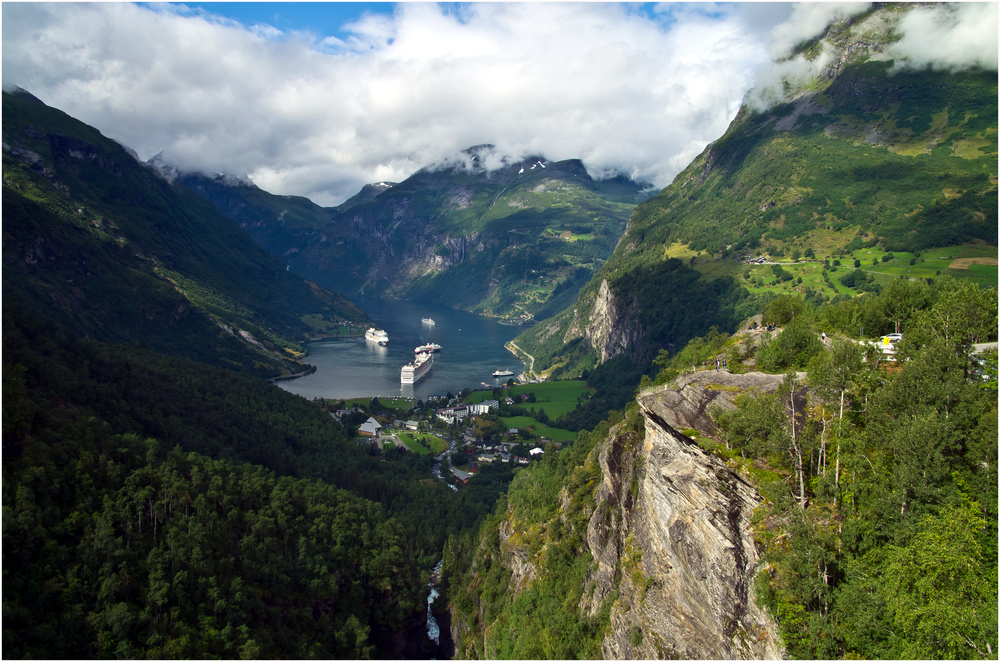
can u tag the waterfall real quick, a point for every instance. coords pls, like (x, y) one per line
(433, 629)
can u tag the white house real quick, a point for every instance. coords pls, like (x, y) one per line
(451, 414)
(483, 407)
(369, 428)
(535, 451)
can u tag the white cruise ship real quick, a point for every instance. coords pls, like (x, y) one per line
(429, 347)
(417, 369)
(427, 320)
(377, 335)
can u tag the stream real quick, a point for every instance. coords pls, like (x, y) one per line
(433, 628)
(438, 461)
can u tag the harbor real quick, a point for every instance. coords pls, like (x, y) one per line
(472, 349)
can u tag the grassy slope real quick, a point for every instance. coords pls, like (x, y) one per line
(928, 181)
(905, 163)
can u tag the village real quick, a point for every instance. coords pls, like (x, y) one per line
(465, 433)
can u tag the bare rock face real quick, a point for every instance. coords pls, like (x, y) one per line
(686, 402)
(672, 535)
(609, 329)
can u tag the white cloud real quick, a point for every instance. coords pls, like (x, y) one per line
(950, 36)
(317, 116)
(945, 36)
(321, 116)
(807, 21)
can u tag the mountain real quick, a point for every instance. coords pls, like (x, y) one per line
(102, 244)
(165, 501)
(515, 241)
(787, 489)
(867, 161)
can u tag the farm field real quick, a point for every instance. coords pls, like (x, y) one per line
(423, 444)
(556, 398)
(555, 434)
(977, 262)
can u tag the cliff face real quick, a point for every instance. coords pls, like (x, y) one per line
(672, 531)
(668, 529)
(609, 328)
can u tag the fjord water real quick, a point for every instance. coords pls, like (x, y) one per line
(473, 347)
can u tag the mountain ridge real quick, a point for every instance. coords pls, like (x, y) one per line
(864, 155)
(78, 250)
(449, 233)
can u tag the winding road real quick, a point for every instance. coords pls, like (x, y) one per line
(512, 346)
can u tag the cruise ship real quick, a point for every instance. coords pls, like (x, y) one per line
(427, 320)
(417, 369)
(429, 347)
(503, 373)
(377, 335)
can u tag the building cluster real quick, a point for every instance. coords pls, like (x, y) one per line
(459, 412)
(507, 447)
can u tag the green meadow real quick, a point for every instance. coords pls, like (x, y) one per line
(556, 398)
(555, 434)
(423, 444)
(808, 274)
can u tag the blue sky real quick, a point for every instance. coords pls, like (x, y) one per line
(319, 99)
(323, 18)
(328, 18)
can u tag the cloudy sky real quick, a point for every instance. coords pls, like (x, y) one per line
(318, 99)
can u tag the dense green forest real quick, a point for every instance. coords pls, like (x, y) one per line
(878, 473)
(160, 507)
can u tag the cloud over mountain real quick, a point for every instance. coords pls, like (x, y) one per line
(627, 90)
(944, 36)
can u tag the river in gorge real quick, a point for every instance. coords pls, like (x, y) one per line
(472, 348)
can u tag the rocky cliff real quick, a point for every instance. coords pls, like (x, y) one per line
(665, 526)
(672, 534)
(608, 328)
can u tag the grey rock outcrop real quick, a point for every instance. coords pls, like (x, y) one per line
(686, 402)
(609, 327)
(672, 534)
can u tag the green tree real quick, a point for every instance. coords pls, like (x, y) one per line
(782, 310)
(832, 373)
(942, 602)
(902, 298)
(797, 343)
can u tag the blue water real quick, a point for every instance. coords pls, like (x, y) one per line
(472, 348)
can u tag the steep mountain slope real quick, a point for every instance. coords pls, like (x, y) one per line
(865, 155)
(97, 242)
(633, 544)
(515, 241)
(276, 222)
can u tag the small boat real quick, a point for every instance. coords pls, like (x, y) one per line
(427, 320)
(503, 373)
(429, 347)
